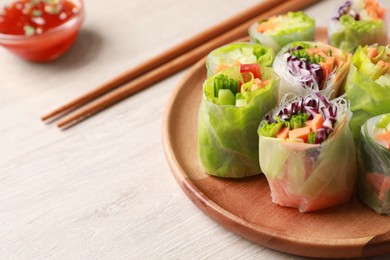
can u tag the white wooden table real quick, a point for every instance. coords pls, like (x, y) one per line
(103, 189)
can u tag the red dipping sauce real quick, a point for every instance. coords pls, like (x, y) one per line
(40, 30)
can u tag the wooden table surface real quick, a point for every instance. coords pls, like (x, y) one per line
(103, 189)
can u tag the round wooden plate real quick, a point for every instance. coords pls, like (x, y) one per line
(244, 206)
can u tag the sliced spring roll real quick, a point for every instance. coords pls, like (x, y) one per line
(368, 85)
(280, 30)
(307, 66)
(374, 163)
(238, 53)
(233, 104)
(358, 22)
(307, 153)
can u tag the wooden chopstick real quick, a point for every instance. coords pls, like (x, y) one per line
(166, 56)
(175, 65)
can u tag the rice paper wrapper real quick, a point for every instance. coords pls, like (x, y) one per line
(307, 176)
(368, 95)
(238, 53)
(227, 135)
(333, 85)
(301, 28)
(374, 170)
(348, 34)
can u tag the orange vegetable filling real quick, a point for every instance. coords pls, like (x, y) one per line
(265, 26)
(330, 61)
(384, 137)
(302, 132)
(374, 9)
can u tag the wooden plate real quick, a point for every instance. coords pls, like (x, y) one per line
(244, 206)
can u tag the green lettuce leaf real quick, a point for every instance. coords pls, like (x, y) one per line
(374, 168)
(368, 94)
(293, 26)
(368, 66)
(242, 52)
(310, 177)
(347, 33)
(227, 137)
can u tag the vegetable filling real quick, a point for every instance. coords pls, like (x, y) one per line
(382, 131)
(360, 10)
(228, 91)
(310, 120)
(285, 23)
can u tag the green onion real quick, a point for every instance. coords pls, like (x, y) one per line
(297, 121)
(28, 30)
(271, 130)
(36, 13)
(224, 82)
(312, 137)
(226, 97)
(302, 54)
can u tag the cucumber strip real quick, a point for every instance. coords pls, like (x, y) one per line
(226, 97)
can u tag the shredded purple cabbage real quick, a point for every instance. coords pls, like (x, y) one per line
(311, 105)
(308, 73)
(346, 9)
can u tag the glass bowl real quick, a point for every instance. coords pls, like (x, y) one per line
(49, 45)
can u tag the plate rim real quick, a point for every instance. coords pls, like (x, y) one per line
(257, 234)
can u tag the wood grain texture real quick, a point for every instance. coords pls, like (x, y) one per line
(164, 57)
(245, 207)
(103, 189)
(180, 62)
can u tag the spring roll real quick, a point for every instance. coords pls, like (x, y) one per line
(374, 163)
(368, 85)
(236, 54)
(307, 66)
(233, 104)
(307, 153)
(358, 22)
(280, 30)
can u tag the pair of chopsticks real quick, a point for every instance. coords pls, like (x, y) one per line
(168, 63)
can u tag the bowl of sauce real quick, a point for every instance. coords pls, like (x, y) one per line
(40, 30)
